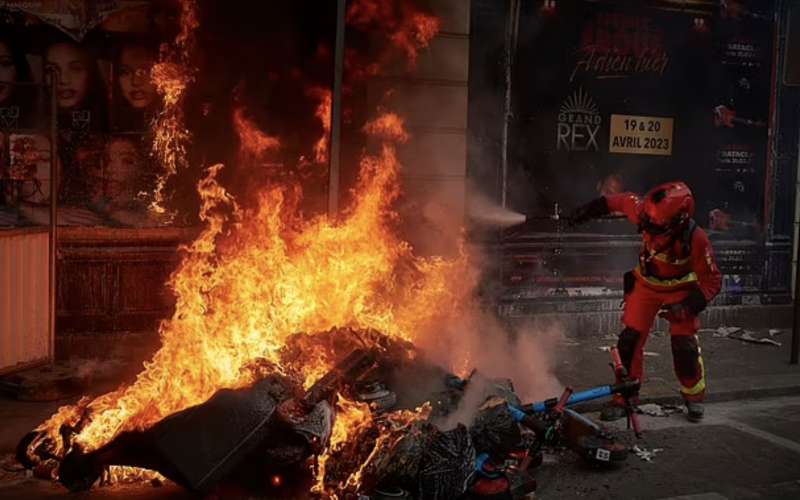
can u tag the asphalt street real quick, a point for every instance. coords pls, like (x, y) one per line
(742, 450)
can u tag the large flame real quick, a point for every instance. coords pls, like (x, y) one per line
(171, 76)
(357, 433)
(323, 114)
(408, 28)
(254, 145)
(255, 277)
(351, 417)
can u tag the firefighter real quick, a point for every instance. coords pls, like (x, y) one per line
(676, 278)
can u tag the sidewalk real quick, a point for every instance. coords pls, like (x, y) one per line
(744, 449)
(734, 369)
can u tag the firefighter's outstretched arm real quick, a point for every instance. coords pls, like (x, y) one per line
(626, 203)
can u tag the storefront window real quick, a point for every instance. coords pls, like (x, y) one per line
(105, 101)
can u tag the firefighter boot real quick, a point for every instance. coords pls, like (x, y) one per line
(694, 411)
(691, 373)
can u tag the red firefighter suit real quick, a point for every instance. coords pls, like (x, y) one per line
(675, 278)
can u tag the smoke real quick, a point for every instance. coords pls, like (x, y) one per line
(474, 337)
(485, 212)
(527, 355)
(474, 396)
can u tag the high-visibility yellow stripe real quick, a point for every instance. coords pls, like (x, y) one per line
(666, 283)
(699, 386)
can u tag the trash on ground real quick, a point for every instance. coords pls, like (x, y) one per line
(657, 410)
(726, 331)
(644, 453)
(748, 336)
(738, 333)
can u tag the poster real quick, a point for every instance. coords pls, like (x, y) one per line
(105, 101)
(610, 98)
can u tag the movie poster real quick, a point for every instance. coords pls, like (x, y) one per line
(613, 98)
(105, 100)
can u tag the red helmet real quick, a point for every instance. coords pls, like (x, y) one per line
(667, 207)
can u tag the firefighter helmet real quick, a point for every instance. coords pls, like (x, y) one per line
(667, 207)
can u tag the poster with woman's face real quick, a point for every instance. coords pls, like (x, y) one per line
(122, 171)
(125, 171)
(81, 95)
(134, 93)
(72, 65)
(82, 157)
(135, 83)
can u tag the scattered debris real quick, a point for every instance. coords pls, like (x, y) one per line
(651, 353)
(657, 410)
(726, 331)
(605, 348)
(738, 333)
(652, 409)
(644, 453)
(748, 336)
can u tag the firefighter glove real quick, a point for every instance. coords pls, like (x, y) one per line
(595, 208)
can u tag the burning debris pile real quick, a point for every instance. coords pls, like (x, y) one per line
(254, 279)
(329, 438)
(360, 429)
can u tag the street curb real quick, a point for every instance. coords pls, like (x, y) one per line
(583, 318)
(711, 397)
